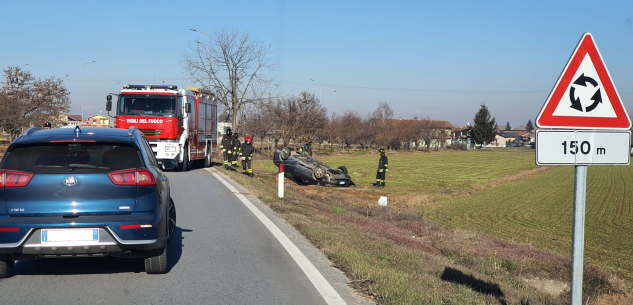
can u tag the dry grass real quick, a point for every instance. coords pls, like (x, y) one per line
(396, 256)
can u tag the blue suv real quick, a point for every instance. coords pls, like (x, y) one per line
(84, 192)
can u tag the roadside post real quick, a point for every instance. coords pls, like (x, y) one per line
(583, 122)
(280, 183)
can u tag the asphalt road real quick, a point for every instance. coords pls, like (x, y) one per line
(221, 254)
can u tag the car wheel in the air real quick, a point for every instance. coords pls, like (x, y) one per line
(319, 172)
(285, 153)
(343, 169)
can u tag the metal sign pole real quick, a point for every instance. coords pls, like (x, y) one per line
(578, 237)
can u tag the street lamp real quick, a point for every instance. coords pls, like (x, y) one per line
(204, 34)
(83, 82)
(319, 87)
(201, 33)
(331, 109)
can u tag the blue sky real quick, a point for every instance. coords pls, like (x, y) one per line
(439, 59)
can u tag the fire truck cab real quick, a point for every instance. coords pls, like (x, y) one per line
(180, 125)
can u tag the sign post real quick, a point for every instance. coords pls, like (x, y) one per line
(589, 126)
(280, 183)
(578, 235)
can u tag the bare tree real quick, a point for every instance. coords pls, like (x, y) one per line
(351, 127)
(26, 101)
(234, 65)
(298, 118)
(383, 112)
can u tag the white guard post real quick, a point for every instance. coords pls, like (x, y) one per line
(280, 190)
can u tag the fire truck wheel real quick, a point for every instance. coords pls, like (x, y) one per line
(207, 159)
(185, 160)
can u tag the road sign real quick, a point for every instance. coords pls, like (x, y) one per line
(582, 147)
(584, 96)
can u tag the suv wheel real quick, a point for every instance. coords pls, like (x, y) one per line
(156, 261)
(6, 266)
(171, 220)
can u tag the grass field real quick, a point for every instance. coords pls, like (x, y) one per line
(513, 199)
(538, 210)
(463, 227)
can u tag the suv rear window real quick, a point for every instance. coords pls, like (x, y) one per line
(61, 158)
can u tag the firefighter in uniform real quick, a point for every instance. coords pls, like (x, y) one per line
(382, 169)
(235, 144)
(225, 146)
(305, 150)
(246, 154)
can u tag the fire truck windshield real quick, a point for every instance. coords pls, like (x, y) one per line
(147, 105)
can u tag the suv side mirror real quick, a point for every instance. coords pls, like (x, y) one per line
(109, 103)
(188, 107)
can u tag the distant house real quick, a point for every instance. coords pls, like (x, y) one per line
(461, 134)
(99, 121)
(500, 141)
(522, 137)
(71, 119)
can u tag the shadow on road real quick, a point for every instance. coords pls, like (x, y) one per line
(99, 265)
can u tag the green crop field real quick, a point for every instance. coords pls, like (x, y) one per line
(538, 210)
(504, 195)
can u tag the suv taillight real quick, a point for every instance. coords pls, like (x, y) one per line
(135, 176)
(14, 178)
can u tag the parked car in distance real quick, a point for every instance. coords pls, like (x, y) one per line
(84, 192)
(304, 169)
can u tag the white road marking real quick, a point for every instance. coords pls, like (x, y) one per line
(320, 283)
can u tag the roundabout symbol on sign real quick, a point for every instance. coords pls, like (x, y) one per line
(575, 101)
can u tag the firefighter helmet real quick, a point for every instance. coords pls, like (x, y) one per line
(381, 151)
(47, 125)
(229, 131)
(235, 135)
(248, 139)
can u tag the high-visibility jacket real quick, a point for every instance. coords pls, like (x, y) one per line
(246, 151)
(383, 164)
(235, 145)
(226, 143)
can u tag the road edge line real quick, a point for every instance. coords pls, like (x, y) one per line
(318, 280)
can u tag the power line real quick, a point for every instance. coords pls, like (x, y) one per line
(347, 86)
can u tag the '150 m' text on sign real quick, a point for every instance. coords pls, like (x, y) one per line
(575, 147)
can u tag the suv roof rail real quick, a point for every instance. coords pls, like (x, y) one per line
(31, 130)
(131, 130)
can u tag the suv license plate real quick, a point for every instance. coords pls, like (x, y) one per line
(62, 235)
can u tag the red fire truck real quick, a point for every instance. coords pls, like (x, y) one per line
(180, 125)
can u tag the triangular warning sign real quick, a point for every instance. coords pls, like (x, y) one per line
(584, 96)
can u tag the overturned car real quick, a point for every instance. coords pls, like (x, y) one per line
(304, 169)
